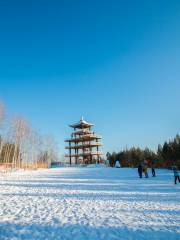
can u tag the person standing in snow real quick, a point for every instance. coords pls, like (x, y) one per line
(176, 174)
(140, 170)
(153, 171)
(146, 170)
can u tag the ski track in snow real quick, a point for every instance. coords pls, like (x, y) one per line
(88, 204)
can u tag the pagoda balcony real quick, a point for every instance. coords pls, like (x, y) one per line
(91, 145)
(84, 138)
(82, 132)
(85, 154)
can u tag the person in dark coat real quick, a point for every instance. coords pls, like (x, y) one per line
(153, 172)
(140, 170)
(153, 169)
(176, 174)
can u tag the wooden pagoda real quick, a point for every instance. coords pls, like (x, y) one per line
(84, 144)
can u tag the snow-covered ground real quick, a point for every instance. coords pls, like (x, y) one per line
(88, 203)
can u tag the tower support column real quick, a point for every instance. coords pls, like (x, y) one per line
(70, 160)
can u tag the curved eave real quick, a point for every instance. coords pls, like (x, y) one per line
(81, 125)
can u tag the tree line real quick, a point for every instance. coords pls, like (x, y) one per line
(167, 155)
(21, 146)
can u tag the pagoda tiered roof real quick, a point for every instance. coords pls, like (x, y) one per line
(82, 124)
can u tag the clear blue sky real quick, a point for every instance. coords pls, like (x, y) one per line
(117, 63)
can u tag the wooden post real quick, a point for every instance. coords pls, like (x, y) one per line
(97, 153)
(70, 153)
(76, 152)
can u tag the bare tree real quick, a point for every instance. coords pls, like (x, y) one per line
(20, 129)
(2, 112)
(2, 118)
(35, 147)
(22, 146)
(49, 145)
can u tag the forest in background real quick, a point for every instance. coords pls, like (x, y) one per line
(167, 155)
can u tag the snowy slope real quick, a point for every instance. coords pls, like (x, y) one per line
(88, 203)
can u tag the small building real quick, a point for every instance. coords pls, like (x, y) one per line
(84, 144)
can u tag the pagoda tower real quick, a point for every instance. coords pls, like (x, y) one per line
(84, 144)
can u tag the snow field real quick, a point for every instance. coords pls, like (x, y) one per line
(88, 203)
